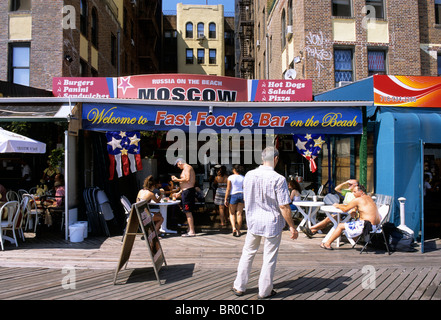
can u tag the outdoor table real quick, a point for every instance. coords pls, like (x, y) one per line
(330, 210)
(309, 217)
(163, 210)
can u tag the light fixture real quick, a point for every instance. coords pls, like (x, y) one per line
(68, 58)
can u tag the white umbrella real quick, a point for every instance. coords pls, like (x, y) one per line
(15, 143)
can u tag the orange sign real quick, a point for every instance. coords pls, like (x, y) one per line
(407, 91)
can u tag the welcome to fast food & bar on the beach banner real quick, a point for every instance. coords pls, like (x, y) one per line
(220, 103)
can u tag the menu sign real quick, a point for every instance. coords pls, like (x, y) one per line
(84, 87)
(280, 90)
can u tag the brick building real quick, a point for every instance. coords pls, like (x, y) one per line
(40, 39)
(336, 42)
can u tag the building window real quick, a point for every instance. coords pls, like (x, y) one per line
(83, 17)
(19, 57)
(19, 5)
(201, 56)
(212, 56)
(341, 8)
(83, 68)
(378, 6)
(343, 65)
(283, 22)
(376, 62)
(200, 30)
(290, 12)
(113, 50)
(189, 30)
(94, 28)
(438, 11)
(212, 30)
(189, 56)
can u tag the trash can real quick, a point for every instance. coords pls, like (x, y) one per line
(76, 232)
(85, 226)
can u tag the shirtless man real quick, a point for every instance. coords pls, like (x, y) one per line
(186, 183)
(367, 209)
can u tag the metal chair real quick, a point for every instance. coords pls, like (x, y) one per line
(12, 196)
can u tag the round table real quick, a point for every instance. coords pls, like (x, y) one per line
(163, 210)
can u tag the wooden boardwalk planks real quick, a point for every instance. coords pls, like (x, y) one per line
(204, 268)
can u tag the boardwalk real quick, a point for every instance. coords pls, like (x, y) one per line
(203, 268)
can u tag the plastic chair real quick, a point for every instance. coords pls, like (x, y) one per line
(320, 190)
(13, 222)
(31, 211)
(331, 198)
(384, 212)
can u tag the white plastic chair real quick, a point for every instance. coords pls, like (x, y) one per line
(13, 222)
(331, 198)
(320, 190)
(31, 212)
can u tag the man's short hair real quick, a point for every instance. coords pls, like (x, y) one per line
(362, 188)
(269, 153)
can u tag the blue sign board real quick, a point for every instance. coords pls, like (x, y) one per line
(286, 120)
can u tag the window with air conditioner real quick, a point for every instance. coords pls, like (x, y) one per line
(200, 30)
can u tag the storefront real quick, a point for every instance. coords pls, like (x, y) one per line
(406, 120)
(192, 105)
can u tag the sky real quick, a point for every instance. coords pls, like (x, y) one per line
(171, 4)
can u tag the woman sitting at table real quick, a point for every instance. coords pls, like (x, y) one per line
(147, 194)
(294, 192)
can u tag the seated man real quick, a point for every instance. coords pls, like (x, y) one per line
(367, 210)
(349, 196)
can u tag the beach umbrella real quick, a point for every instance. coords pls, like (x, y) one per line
(11, 142)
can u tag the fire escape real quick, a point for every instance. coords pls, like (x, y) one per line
(246, 37)
(149, 23)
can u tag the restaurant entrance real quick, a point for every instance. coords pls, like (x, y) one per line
(431, 191)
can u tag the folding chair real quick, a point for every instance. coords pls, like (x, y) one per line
(384, 212)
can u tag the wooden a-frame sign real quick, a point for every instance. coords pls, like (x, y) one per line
(141, 218)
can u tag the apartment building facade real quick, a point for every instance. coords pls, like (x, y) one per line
(336, 42)
(40, 39)
(200, 39)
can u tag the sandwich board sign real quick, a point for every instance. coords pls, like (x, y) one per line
(141, 219)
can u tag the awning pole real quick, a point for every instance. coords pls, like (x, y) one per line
(66, 184)
(363, 151)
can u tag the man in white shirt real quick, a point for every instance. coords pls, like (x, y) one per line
(267, 200)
